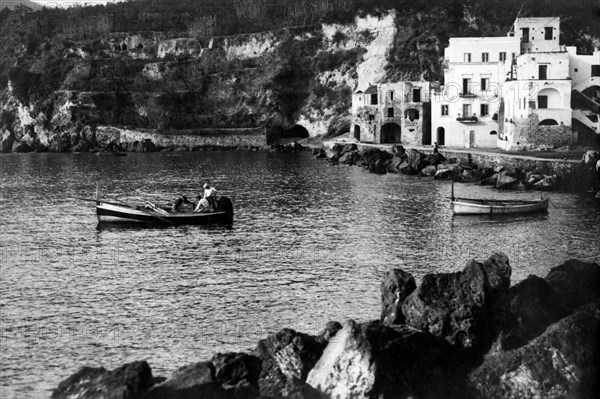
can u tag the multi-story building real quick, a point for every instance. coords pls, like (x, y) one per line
(536, 100)
(519, 90)
(465, 111)
(393, 113)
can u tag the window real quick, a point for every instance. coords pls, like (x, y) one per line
(416, 95)
(513, 56)
(595, 70)
(493, 133)
(524, 35)
(502, 56)
(548, 33)
(390, 113)
(467, 57)
(543, 70)
(371, 117)
(373, 99)
(391, 95)
(484, 110)
(411, 114)
(466, 86)
(445, 110)
(485, 84)
(466, 110)
(485, 57)
(542, 102)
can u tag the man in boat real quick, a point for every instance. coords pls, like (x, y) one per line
(210, 194)
(179, 203)
(203, 205)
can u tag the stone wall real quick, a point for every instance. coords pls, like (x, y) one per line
(184, 138)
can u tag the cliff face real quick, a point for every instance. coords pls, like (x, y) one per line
(59, 86)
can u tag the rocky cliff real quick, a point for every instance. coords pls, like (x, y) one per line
(290, 68)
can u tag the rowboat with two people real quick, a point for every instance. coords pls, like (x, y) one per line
(118, 212)
(475, 206)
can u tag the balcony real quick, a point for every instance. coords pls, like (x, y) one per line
(468, 119)
(467, 95)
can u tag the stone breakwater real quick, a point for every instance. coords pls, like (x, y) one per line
(507, 173)
(465, 335)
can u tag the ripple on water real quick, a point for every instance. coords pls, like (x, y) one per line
(309, 244)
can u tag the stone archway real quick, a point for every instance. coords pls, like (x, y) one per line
(441, 136)
(548, 122)
(390, 133)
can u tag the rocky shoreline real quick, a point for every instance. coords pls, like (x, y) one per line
(465, 170)
(467, 335)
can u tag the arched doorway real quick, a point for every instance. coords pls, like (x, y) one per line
(548, 122)
(391, 133)
(357, 132)
(441, 136)
(549, 98)
(297, 131)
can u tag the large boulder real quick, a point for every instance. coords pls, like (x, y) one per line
(430, 170)
(416, 159)
(456, 306)
(526, 311)
(127, 382)
(395, 163)
(546, 183)
(347, 368)
(576, 283)
(590, 158)
(563, 362)
(406, 169)
(505, 181)
(286, 358)
(237, 370)
(396, 286)
(447, 171)
(379, 167)
(350, 158)
(373, 361)
(190, 382)
(434, 159)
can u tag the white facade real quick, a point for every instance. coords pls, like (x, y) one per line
(537, 34)
(464, 112)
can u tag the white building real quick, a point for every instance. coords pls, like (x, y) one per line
(464, 113)
(553, 96)
(524, 89)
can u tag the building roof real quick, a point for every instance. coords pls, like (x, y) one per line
(371, 90)
(358, 92)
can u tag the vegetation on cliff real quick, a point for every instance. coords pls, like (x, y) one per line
(163, 65)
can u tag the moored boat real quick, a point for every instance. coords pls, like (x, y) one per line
(149, 214)
(475, 206)
(470, 206)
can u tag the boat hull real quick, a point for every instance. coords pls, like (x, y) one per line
(497, 207)
(111, 213)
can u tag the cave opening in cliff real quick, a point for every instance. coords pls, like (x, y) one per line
(391, 133)
(297, 131)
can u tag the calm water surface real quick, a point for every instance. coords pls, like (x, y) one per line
(310, 244)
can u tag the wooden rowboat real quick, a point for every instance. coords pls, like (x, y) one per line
(110, 212)
(468, 206)
(473, 206)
